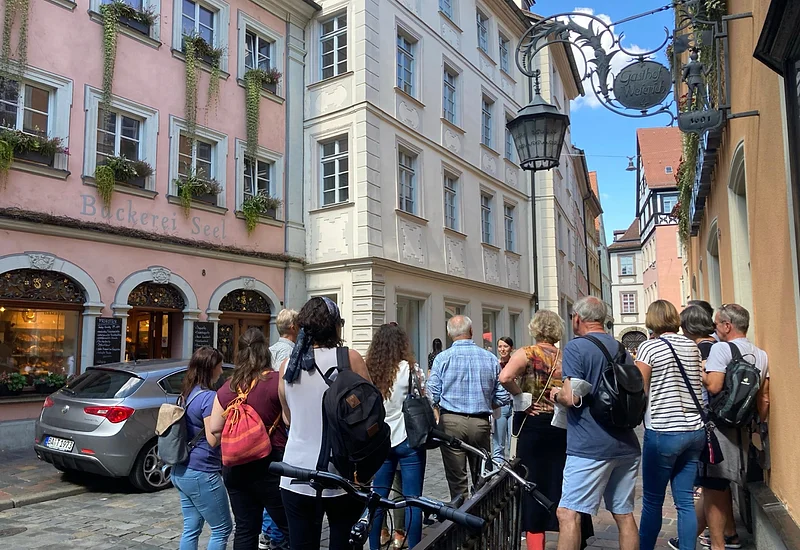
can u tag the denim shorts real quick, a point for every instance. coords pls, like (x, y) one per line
(586, 481)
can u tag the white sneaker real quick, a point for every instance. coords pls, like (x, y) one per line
(263, 542)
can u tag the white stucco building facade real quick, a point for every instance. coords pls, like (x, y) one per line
(415, 208)
(627, 287)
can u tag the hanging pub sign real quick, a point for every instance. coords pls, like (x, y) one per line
(700, 122)
(642, 84)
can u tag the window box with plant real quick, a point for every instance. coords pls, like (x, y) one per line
(120, 170)
(11, 383)
(195, 186)
(47, 384)
(117, 12)
(258, 205)
(18, 145)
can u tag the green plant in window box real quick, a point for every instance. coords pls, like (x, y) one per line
(254, 81)
(6, 159)
(195, 48)
(13, 10)
(37, 148)
(255, 206)
(11, 383)
(194, 186)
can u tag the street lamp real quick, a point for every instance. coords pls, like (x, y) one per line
(538, 132)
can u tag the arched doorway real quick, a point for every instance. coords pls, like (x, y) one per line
(41, 323)
(712, 260)
(632, 339)
(241, 309)
(740, 231)
(154, 322)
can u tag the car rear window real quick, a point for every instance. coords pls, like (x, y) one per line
(104, 384)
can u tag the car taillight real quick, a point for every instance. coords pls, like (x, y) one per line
(48, 402)
(113, 414)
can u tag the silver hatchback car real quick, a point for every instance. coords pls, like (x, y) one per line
(103, 422)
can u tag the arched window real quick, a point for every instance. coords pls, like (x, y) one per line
(712, 259)
(740, 231)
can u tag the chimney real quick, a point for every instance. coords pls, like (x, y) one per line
(618, 233)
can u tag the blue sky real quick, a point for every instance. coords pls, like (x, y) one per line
(599, 131)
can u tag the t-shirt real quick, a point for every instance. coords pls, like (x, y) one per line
(203, 457)
(721, 355)
(670, 406)
(586, 438)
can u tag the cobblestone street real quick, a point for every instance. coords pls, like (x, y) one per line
(111, 516)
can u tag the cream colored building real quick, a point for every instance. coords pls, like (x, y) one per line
(627, 286)
(416, 210)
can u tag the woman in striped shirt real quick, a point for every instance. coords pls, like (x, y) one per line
(674, 433)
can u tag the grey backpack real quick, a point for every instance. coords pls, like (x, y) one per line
(173, 448)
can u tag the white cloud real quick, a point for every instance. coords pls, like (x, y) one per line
(606, 40)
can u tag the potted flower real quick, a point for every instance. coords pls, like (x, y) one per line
(203, 50)
(48, 383)
(255, 206)
(34, 148)
(129, 172)
(11, 383)
(196, 186)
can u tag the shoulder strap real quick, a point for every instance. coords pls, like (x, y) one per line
(600, 345)
(193, 443)
(343, 357)
(410, 381)
(700, 408)
(736, 354)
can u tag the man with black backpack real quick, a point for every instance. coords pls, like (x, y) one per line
(737, 380)
(602, 449)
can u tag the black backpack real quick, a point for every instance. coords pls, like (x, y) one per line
(735, 405)
(618, 401)
(355, 436)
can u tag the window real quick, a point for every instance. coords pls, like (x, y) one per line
(260, 174)
(257, 178)
(628, 300)
(486, 218)
(118, 135)
(205, 157)
(505, 62)
(260, 47)
(450, 311)
(257, 52)
(668, 169)
(489, 330)
(626, 265)
(668, 203)
(198, 19)
(446, 7)
(508, 219)
(195, 158)
(483, 31)
(407, 182)
(405, 64)
(333, 44)
(24, 106)
(486, 117)
(509, 143)
(335, 183)
(410, 316)
(451, 202)
(449, 99)
(513, 326)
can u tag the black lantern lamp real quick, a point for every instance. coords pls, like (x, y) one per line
(538, 132)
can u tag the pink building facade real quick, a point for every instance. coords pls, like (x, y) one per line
(82, 282)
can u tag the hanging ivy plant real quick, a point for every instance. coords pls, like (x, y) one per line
(254, 81)
(6, 158)
(194, 185)
(256, 206)
(15, 9)
(104, 178)
(196, 49)
(190, 105)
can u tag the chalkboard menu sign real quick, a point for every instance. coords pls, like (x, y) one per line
(107, 340)
(203, 335)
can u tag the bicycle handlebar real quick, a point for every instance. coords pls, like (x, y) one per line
(332, 481)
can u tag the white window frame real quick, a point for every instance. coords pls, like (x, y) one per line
(154, 5)
(408, 173)
(335, 37)
(446, 7)
(408, 54)
(21, 107)
(504, 52)
(148, 132)
(662, 208)
(632, 304)
(482, 28)
(487, 225)
(276, 176)
(219, 155)
(451, 192)
(487, 121)
(247, 23)
(448, 70)
(510, 147)
(335, 158)
(509, 226)
(622, 267)
(222, 19)
(60, 102)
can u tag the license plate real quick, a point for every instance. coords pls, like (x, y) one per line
(58, 444)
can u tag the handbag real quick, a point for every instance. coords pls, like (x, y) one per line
(712, 452)
(418, 416)
(244, 437)
(515, 436)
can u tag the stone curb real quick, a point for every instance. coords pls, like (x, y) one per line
(43, 496)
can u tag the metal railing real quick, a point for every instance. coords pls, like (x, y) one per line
(499, 502)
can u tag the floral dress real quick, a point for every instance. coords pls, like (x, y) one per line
(542, 372)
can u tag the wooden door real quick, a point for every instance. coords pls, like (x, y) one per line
(230, 329)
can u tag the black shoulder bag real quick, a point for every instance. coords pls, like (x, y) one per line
(712, 452)
(418, 417)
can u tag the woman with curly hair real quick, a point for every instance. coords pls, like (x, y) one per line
(395, 373)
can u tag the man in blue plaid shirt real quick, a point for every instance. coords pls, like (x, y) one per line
(464, 388)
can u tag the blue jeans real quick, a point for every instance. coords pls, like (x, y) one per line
(271, 530)
(412, 472)
(203, 499)
(669, 457)
(501, 438)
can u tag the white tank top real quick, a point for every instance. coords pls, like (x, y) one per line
(304, 398)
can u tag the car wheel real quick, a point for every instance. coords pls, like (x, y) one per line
(149, 473)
